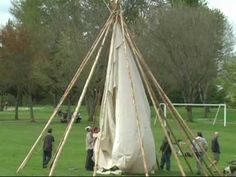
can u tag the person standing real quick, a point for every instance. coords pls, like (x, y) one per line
(47, 148)
(215, 148)
(166, 154)
(200, 147)
(89, 164)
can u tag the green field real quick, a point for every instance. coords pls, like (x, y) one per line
(17, 137)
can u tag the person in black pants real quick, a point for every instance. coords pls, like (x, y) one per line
(215, 148)
(166, 154)
(47, 148)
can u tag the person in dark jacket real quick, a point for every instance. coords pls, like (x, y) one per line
(47, 148)
(215, 148)
(166, 154)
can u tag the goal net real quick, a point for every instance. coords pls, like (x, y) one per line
(218, 111)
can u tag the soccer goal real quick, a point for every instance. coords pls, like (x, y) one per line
(218, 106)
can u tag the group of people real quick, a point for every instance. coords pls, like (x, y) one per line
(199, 146)
(91, 136)
(65, 117)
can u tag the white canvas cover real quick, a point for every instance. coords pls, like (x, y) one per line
(119, 140)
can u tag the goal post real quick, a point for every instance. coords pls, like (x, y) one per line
(199, 105)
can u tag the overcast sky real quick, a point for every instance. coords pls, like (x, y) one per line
(4, 11)
(228, 7)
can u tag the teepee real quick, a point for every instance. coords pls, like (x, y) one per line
(125, 113)
(126, 139)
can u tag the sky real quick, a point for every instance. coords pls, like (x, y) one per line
(4, 11)
(226, 6)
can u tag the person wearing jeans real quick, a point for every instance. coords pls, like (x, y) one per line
(166, 155)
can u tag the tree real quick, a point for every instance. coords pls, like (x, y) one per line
(67, 28)
(190, 3)
(15, 59)
(227, 79)
(186, 47)
(4, 82)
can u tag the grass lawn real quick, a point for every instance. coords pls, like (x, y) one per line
(17, 137)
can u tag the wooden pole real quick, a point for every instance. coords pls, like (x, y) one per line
(52, 161)
(187, 133)
(161, 120)
(168, 101)
(71, 84)
(153, 97)
(107, 6)
(182, 122)
(152, 91)
(105, 98)
(104, 28)
(134, 100)
(79, 103)
(158, 110)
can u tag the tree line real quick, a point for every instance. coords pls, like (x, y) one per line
(188, 46)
